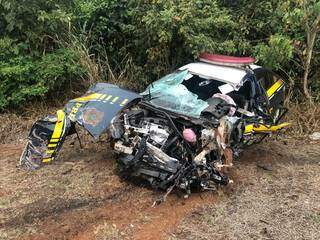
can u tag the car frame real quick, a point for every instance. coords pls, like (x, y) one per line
(183, 131)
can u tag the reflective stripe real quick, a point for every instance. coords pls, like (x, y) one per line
(93, 96)
(46, 160)
(50, 151)
(57, 132)
(277, 85)
(101, 96)
(114, 100)
(59, 125)
(108, 98)
(104, 97)
(124, 102)
(264, 129)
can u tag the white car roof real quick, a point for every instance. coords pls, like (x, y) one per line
(227, 74)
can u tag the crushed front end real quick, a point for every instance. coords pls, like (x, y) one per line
(170, 150)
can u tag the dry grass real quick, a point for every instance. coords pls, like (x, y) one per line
(84, 179)
(15, 125)
(80, 193)
(107, 232)
(98, 68)
(305, 118)
(282, 204)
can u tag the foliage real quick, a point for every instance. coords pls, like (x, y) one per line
(24, 77)
(34, 22)
(161, 35)
(136, 41)
(276, 52)
(302, 23)
(178, 31)
(278, 33)
(32, 64)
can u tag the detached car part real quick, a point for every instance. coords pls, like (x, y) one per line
(182, 131)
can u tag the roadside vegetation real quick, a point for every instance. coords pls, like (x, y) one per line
(49, 49)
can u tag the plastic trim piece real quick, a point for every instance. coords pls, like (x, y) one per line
(226, 60)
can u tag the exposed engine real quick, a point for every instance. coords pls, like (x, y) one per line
(182, 132)
(169, 151)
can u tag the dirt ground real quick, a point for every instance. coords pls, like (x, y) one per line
(275, 195)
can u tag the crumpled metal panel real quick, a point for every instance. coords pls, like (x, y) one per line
(95, 110)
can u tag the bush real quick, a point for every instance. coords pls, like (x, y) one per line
(157, 35)
(25, 77)
(134, 42)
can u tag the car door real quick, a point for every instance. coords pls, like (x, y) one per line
(273, 90)
(262, 82)
(268, 99)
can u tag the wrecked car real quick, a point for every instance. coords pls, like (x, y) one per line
(182, 132)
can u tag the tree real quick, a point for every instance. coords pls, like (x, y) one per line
(303, 20)
(312, 23)
(174, 32)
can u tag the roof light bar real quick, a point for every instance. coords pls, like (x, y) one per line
(226, 60)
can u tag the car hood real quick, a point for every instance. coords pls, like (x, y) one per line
(96, 109)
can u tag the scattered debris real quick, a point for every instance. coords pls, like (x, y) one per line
(315, 136)
(182, 132)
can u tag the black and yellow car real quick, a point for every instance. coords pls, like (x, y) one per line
(182, 131)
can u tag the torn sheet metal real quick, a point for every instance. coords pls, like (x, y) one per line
(95, 110)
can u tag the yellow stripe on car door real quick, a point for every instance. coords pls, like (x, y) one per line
(278, 84)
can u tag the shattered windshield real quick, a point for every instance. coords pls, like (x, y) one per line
(169, 93)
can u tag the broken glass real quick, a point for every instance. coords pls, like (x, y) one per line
(169, 93)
